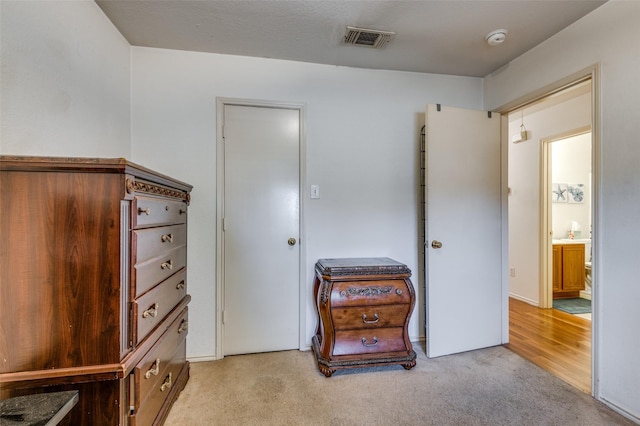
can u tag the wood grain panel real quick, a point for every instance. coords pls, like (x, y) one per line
(58, 247)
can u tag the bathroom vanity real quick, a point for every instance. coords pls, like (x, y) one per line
(568, 269)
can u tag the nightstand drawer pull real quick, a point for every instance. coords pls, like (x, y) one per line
(166, 384)
(368, 345)
(146, 211)
(184, 326)
(153, 370)
(180, 285)
(167, 238)
(375, 319)
(151, 312)
(167, 265)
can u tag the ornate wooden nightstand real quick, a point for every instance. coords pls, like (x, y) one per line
(364, 306)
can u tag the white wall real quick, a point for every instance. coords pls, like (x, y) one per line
(65, 81)
(362, 150)
(608, 36)
(544, 121)
(571, 164)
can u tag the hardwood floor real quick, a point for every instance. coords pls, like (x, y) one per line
(554, 340)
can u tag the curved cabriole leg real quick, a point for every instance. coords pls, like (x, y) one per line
(326, 370)
(409, 365)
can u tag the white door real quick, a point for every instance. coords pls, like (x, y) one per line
(463, 214)
(261, 229)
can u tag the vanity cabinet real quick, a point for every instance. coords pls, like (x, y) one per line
(363, 306)
(568, 270)
(93, 286)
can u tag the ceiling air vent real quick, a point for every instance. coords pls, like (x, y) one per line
(369, 38)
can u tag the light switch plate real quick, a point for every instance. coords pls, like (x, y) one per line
(315, 191)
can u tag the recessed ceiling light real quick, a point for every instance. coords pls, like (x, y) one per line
(496, 37)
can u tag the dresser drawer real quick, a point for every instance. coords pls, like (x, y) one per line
(153, 376)
(150, 272)
(369, 316)
(151, 242)
(150, 309)
(353, 342)
(358, 293)
(148, 212)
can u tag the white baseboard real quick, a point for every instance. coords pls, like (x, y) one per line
(525, 299)
(201, 358)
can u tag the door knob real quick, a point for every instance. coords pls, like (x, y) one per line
(291, 241)
(436, 244)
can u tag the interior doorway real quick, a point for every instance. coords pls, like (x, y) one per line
(534, 127)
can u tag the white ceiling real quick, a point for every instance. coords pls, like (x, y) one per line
(442, 37)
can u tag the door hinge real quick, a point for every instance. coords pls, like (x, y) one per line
(223, 315)
(224, 224)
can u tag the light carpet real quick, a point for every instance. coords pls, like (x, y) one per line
(491, 386)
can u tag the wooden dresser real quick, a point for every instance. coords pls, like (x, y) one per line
(93, 286)
(364, 306)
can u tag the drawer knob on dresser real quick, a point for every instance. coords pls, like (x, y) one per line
(167, 238)
(151, 312)
(184, 326)
(375, 319)
(398, 291)
(166, 384)
(180, 285)
(167, 265)
(183, 211)
(153, 370)
(146, 211)
(367, 344)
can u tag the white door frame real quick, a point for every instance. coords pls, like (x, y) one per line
(592, 72)
(220, 185)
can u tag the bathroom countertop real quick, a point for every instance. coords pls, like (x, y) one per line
(41, 409)
(571, 241)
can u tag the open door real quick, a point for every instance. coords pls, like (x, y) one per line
(463, 230)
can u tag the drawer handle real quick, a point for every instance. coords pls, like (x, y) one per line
(167, 265)
(146, 211)
(183, 211)
(153, 370)
(166, 384)
(184, 326)
(367, 344)
(375, 319)
(167, 238)
(151, 312)
(180, 285)
(398, 291)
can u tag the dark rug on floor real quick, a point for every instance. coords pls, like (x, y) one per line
(573, 306)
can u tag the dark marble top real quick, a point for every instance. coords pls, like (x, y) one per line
(361, 266)
(41, 409)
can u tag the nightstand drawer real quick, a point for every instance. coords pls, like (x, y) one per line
(151, 242)
(148, 212)
(358, 293)
(351, 342)
(150, 309)
(369, 316)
